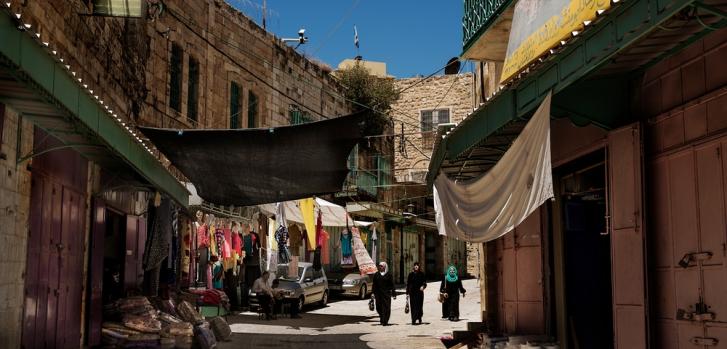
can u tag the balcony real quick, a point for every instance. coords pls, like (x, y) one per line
(486, 29)
(360, 182)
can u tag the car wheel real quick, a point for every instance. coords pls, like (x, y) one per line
(324, 299)
(362, 292)
(301, 303)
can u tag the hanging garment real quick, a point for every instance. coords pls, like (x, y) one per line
(247, 244)
(307, 210)
(157, 245)
(281, 236)
(325, 247)
(227, 244)
(346, 250)
(237, 243)
(203, 237)
(220, 240)
(213, 242)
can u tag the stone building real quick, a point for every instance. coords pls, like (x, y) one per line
(423, 105)
(73, 86)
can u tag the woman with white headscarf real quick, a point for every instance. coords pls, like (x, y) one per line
(383, 290)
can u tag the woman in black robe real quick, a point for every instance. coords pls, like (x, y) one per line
(383, 290)
(452, 286)
(415, 285)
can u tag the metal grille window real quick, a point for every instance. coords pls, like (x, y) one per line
(432, 118)
(175, 78)
(235, 105)
(193, 89)
(251, 110)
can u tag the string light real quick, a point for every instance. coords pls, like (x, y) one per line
(27, 27)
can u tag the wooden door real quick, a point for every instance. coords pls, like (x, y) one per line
(54, 277)
(627, 238)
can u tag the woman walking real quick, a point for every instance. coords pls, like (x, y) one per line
(451, 287)
(383, 290)
(415, 285)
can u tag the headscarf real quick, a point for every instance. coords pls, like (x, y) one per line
(386, 268)
(448, 276)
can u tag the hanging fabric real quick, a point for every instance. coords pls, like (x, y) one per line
(281, 235)
(373, 246)
(365, 263)
(307, 211)
(272, 248)
(485, 208)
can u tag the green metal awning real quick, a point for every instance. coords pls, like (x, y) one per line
(35, 84)
(590, 78)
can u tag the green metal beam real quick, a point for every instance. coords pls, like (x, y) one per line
(621, 27)
(29, 63)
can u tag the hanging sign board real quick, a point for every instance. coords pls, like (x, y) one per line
(538, 26)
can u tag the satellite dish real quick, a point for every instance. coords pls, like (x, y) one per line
(452, 67)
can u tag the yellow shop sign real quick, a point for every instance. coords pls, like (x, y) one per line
(539, 25)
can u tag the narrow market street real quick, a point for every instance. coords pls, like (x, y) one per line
(347, 323)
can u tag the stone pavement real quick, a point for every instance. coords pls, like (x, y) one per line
(349, 324)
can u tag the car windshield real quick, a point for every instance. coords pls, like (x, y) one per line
(283, 273)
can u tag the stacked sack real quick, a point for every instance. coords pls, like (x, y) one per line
(142, 325)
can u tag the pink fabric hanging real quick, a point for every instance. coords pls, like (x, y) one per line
(226, 246)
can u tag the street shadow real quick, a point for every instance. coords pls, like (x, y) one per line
(316, 321)
(248, 340)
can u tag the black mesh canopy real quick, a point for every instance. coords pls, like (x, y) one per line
(246, 167)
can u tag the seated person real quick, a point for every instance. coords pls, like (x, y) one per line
(264, 294)
(280, 299)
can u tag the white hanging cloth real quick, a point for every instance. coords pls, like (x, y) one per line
(485, 208)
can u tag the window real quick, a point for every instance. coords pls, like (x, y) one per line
(384, 169)
(298, 116)
(235, 105)
(175, 78)
(432, 118)
(251, 110)
(192, 89)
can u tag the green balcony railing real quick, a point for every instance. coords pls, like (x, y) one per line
(362, 181)
(478, 16)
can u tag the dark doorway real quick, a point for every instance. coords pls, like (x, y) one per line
(587, 249)
(114, 255)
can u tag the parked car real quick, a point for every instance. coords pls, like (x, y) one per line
(351, 284)
(307, 286)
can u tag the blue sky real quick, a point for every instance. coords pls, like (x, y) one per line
(412, 37)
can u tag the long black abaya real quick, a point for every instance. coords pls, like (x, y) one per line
(414, 283)
(383, 289)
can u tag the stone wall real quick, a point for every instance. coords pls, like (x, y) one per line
(452, 92)
(14, 211)
(126, 61)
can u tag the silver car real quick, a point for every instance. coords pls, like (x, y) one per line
(352, 284)
(307, 286)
